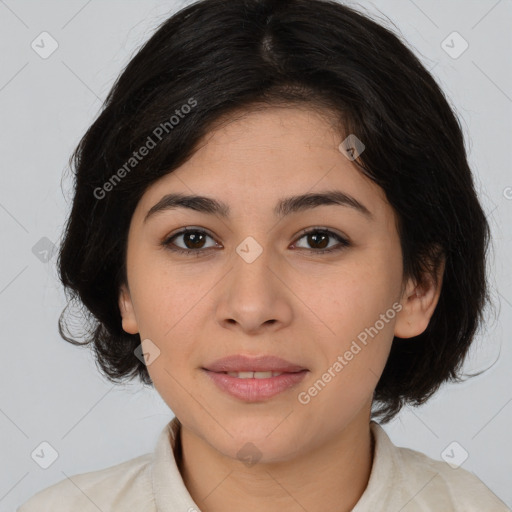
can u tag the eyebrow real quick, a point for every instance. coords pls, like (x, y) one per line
(285, 206)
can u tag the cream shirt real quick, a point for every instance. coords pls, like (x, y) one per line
(401, 479)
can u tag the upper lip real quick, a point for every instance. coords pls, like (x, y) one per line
(240, 363)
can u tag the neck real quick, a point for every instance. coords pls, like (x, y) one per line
(329, 478)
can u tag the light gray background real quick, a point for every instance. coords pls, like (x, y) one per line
(51, 391)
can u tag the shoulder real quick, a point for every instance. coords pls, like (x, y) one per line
(429, 484)
(127, 483)
(456, 487)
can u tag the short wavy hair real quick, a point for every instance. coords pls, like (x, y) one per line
(226, 57)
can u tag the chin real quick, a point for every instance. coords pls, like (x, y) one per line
(265, 439)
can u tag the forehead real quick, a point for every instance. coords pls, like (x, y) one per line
(271, 134)
(253, 159)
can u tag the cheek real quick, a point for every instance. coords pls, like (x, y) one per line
(360, 310)
(354, 297)
(352, 364)
(170, 326)
(166, 296)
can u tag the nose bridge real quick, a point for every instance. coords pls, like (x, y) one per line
(252, 295)
(251, 265)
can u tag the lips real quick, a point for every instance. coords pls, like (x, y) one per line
(254, 379)
(239, 363)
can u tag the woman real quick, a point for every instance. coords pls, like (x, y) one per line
(275, 224)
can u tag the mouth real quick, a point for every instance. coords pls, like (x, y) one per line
(247, 364)
(254, 375)
(253, 379)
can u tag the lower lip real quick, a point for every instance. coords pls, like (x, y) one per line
(256, 390)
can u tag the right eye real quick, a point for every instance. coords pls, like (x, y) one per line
(193, 240)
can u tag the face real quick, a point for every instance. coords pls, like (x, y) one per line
(317, 284)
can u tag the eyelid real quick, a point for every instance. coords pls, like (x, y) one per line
(186, 229)
(311, 229)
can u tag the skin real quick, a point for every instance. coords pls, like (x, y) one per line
(302, 306)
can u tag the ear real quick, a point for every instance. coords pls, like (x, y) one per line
(129, 321)
(418, 304)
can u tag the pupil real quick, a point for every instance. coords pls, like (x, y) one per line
(195, 237)
(314, 237)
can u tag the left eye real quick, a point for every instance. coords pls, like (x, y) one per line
(194, 241)
(319, 236)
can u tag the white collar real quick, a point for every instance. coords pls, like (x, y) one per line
(171, 494)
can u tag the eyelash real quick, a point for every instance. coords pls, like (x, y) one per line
(343, 243)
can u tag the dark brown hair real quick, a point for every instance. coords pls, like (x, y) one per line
(220, 57)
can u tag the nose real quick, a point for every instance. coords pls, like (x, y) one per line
(254, 297)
